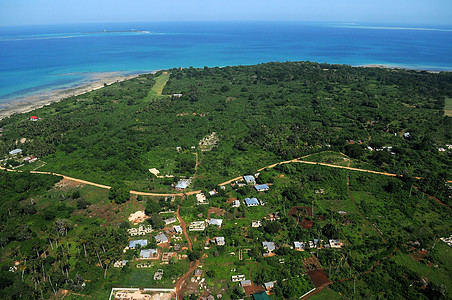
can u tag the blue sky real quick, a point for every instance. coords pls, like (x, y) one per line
(25, 12)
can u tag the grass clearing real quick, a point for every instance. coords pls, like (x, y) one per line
(439, 275)
(326, 293)
(156, 90)
(448, 107)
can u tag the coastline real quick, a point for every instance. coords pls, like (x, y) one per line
(43, 98)
(95, 81)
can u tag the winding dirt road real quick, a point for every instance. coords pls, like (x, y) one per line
(296, 160)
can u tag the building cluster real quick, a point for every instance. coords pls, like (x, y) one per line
(141, 230)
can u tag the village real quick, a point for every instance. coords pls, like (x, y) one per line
(152, 249)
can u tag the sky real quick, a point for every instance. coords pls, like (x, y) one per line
(34, 12)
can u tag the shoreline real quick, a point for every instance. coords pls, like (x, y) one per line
(96, 81)
(40, 99)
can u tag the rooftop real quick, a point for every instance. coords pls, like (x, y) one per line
(217, 222)
(183, 184)
(249, 179)
(270, 246)
(261, 187)
(161, 238)
(142, 243)
(252, 201)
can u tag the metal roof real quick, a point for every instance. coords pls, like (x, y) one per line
(217, 222)
(252, 201)
(161, 237)
(270, 246)
(249, 178)
(142, 243)
(261, 187)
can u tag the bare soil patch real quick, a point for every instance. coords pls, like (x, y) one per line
(252, 289)
(215, 210)
(315, 272)
(319, 278)
(65, 184)
(300, 213)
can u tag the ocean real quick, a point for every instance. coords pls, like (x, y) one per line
(38, 58)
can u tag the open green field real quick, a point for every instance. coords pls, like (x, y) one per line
(326, 294)
(439, 271)
(160, 82)
(448, 107)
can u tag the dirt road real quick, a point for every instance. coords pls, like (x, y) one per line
(183, 225)
(181, 283)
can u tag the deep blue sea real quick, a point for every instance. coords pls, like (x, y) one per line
(36, 58)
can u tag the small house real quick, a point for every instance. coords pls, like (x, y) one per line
(269, 285)
(245, 283)
(335, 243)
(34, 118)
(198, 273)
(177, 95)
(15, 152)
(161, 238)
(183, 184)
(299, 246)
(252, 202)
(220, 241)
(134, 243)
(235, 203)
(178, 229)
(261, 187)
(216, 222)
(250, 179)
(148, 253)
(212, 192)
(269, 246)
(170, 221)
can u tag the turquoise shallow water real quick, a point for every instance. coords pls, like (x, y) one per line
(33, 59)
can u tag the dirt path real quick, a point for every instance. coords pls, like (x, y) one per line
(296, 160)
(184, 229)
(181, 283)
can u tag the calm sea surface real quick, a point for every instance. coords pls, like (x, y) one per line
(38, 58)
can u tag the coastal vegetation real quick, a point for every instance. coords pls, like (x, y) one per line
(327, 123)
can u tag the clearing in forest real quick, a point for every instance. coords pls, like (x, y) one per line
(160, 82)
(448, 107)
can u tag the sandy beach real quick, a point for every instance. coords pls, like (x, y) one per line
(29, 103)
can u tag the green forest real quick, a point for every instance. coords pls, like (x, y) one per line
(210, 125)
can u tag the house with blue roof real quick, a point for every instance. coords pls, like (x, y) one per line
(217, 222)
(269, 246)
(261, 187)
(252, 202)
(148, 253)
(142, 243)
(249, 179)
(161, 238)
(183, 184)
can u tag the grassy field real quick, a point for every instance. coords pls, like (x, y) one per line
(448, 107)
(156, 90)
(326, 294)
(439, 275)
